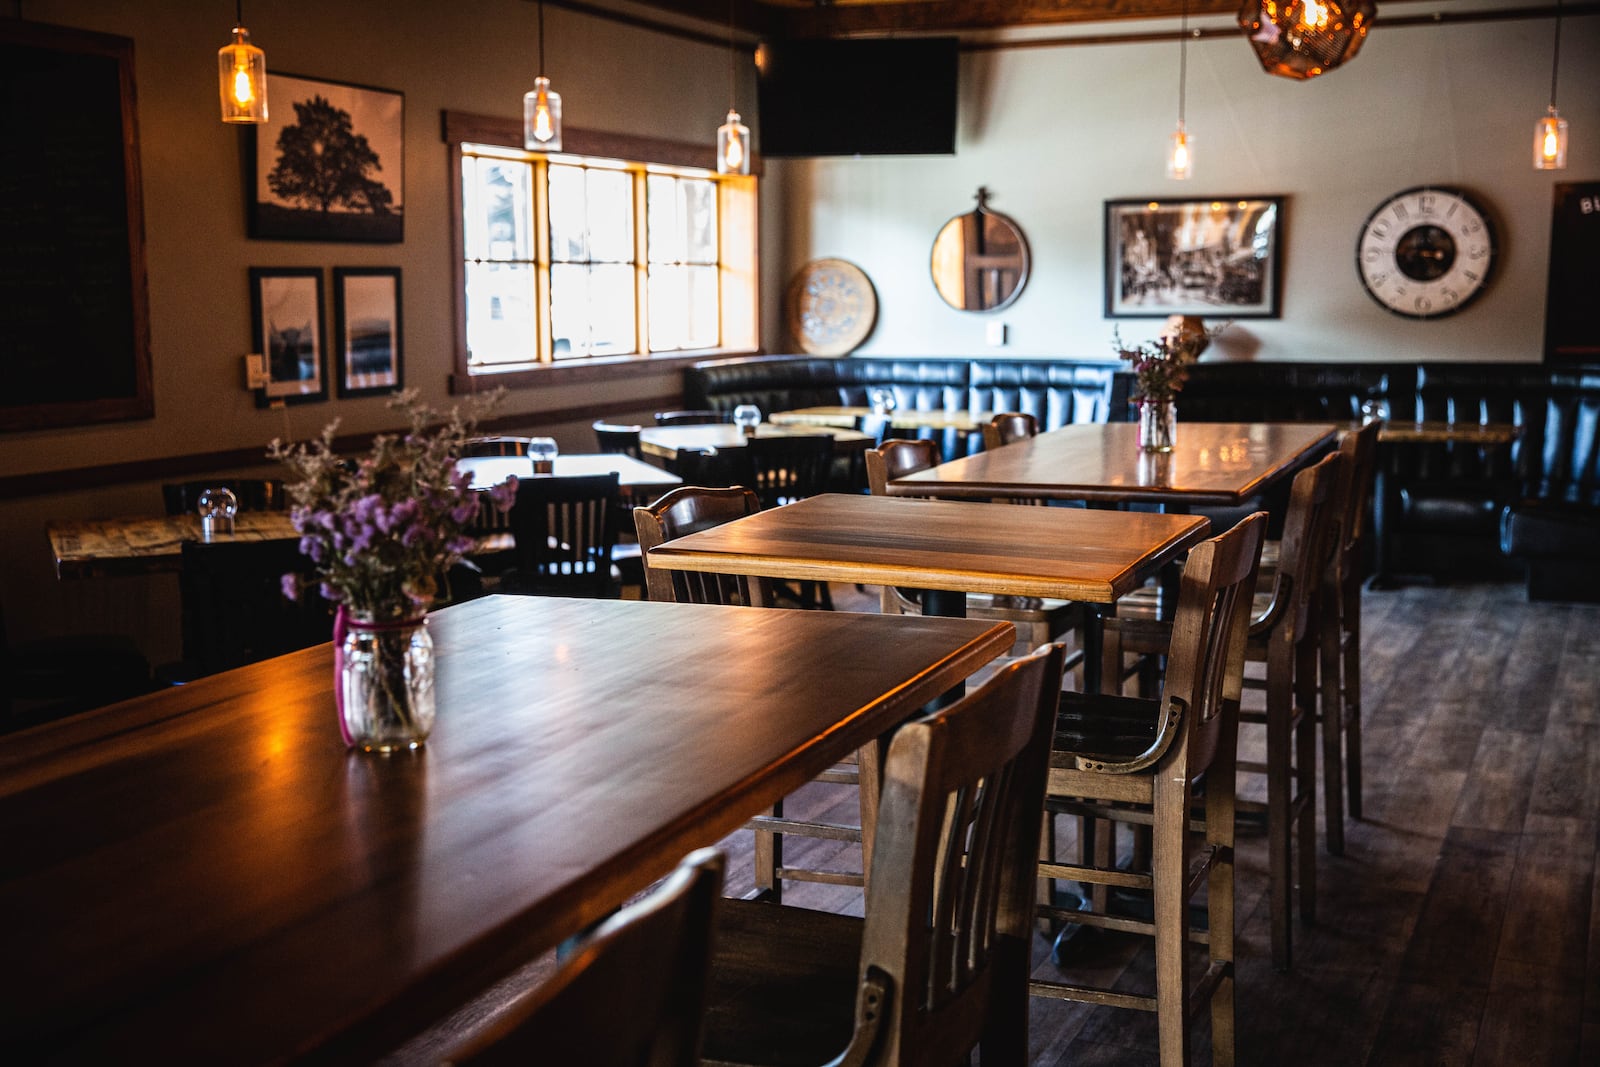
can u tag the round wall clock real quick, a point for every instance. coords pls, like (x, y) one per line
(1426, 252)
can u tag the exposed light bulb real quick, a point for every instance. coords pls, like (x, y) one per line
(1180, 160)
(1550, 142)
(541, 117)
(733, 146)
(1313, 16)
(242, 80)
(242, 93)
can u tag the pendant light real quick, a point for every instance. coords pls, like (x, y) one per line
(1550, 131)
(242, 76)
(541, 108)
(733, 136)
(1180, 155)
(1305, 38)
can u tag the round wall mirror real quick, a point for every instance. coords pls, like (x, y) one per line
(980, 259)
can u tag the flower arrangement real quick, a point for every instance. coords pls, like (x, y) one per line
(383, 528)
(1161, 367)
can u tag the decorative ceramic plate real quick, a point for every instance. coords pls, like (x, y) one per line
(831, 306)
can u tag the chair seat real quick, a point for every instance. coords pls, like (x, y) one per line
(783, 985)
(1106, 729)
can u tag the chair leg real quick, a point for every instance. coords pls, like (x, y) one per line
(1350, 625)
(1169, 870)
(1280, 888)
(1332, 725)
(1219, 792)
(1305, 771)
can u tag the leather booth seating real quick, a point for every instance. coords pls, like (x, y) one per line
(1534, 502)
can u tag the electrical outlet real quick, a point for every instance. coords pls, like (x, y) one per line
(997, 334)
(255, 371)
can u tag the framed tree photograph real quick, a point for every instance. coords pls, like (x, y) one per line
(286, 313)
(366, 316)
(329, 163)
(1216, 256)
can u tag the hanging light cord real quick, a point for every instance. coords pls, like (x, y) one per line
(1555, 62)
(1183, 60)
(238, 12)
(541, 38)
(732, 79)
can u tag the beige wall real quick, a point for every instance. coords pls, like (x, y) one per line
(1055, 132)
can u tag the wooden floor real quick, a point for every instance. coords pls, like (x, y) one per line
(1457, 928)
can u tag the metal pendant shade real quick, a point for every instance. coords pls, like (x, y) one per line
(1304, 38)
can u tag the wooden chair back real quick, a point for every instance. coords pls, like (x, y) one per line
(234, 611)
(495, 446)
(896, 458)
(564, 529)
(786, 469)
(692, 418)
(614, 438)
(1360, 452)
(686, 510)
(947, 938)
(254, 494)
(1008, 427)
(632, 994)
(1308, 528)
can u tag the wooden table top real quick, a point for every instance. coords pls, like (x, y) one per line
(1067, 553)
(1214, 463)
(632, 474)
(92, 548)
(900, 418)
(665, 441)
(1479, 433)
(207, 875)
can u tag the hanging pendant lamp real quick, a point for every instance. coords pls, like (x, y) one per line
(733, 136)
(242, 76)
(1550, 131)
(1304, 38)
(541, 108)
(1180, 152)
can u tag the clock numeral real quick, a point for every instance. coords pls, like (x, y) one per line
(1372, 255)
(1380, 229)
(1450, 296)
(1423, 304)
(1471, 277)
(1379, 278)
(1400, 213)
(1472, 226)
(1455, 205)
(1477, 252)
(1425, 203)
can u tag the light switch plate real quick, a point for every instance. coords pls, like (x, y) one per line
(997, 333)
(255, 371)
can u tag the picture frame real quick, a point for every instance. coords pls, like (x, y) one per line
(367, 334)
(286, 311)
(353, 188)
(1205, 256)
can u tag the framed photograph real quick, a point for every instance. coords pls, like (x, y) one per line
(329, 163)
(1212, 257)
(286, 314)
(366, 317)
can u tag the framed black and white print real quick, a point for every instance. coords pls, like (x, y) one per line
(1215, 256)
(366, 316)
(329, 163)
(286, 313)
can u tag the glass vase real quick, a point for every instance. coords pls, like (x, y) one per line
(384, 681)
(1158, 425)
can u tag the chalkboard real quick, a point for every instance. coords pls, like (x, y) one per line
(1571, 329)
(74, 311)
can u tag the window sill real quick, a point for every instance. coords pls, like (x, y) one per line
(603, 369)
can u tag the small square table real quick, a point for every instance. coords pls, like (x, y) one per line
(665, 442)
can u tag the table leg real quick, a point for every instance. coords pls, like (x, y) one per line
(951, 605)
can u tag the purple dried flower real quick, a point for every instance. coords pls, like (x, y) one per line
(291, 587)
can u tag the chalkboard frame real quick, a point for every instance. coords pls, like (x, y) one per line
(1571, 335)
(139, 401)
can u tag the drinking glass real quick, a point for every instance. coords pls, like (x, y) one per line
(747, 417)
(217, 507)
(883, 399)
(543, 452)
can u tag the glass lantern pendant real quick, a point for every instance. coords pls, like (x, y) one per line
(242, 80)
(1550, 142)
(1180, 159)
(733, 146)
(541, 118)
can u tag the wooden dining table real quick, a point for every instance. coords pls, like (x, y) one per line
(207, 875)
(899, 418)
(665, 442)
(946, 549)
(634, 477)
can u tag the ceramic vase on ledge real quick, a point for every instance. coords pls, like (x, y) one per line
(384, 681)
(1158, 425)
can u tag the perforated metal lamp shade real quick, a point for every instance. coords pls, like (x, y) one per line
(1304, 38)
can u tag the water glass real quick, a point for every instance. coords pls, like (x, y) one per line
(543, 452)
(217, 507)
(747, 417)
(883, 399)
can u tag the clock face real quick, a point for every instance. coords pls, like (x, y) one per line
(1426, 252)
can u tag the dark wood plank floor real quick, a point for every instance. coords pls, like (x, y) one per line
(1458, 928)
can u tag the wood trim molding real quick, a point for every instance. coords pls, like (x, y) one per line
(74, 479)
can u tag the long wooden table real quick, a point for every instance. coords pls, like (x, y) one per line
(899, 418)
(665, 442)
(634, 477)
(1221, 463)
(206, 875)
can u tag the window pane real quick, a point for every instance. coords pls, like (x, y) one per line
(703, 317)
(683, 308)
(592, 310)
(501, 227)
(610, 216)
(700, 220)
(666, 235)
(567, 214)
(502, 326)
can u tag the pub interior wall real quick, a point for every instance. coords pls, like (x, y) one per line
(1055, 132)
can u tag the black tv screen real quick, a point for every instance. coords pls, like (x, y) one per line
(867, 98)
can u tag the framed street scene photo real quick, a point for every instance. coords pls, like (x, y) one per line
(366, 316)
(286, 314)
(329, 163)
(1193, 257)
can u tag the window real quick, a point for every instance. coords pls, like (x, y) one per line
(577, 258)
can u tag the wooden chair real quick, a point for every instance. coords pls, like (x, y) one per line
(234, 610)
(633, 992)
(692, 418)
(49, 678)
(687, 510)
(1148, 762)
(1008, 427)
(785, 469)
(253, 494)
(495, 446)
(1038, 621)
(564, 530)
(939, 964)
(617, 439)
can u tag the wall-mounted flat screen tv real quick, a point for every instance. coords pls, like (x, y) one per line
(861, 97)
